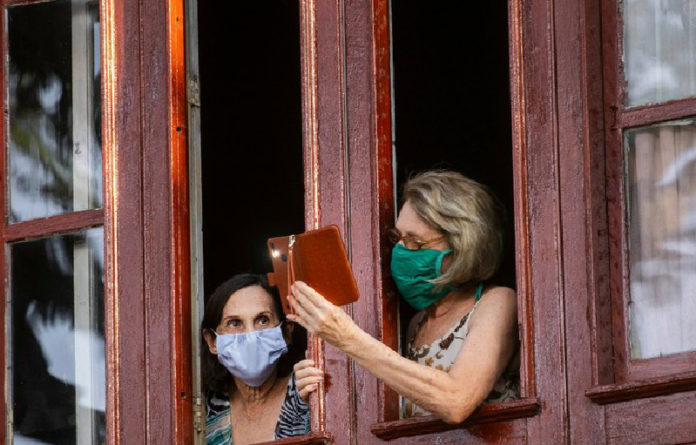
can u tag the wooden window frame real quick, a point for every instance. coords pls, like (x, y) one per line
(369, 219)
(32, 229)
(629, 379)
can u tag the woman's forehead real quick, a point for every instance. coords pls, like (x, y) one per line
(409, 222)
(248, 301)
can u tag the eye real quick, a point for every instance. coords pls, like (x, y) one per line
(263, 320)
(233, 323)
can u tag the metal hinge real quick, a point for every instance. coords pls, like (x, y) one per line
(193, 90)
(198, 414)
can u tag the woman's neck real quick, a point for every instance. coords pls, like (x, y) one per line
(450, 301)
(251, 398)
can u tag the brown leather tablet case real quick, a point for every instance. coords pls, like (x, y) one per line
(317, 257)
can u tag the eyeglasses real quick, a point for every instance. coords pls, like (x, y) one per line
(410, 241)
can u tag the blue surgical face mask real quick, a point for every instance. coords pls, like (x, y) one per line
(413, 272)
(251, 356)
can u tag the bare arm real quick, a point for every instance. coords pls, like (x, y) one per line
(452, 395)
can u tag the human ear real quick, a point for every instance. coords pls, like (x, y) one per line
(210, 340)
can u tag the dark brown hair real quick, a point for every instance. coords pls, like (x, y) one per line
(215, 376)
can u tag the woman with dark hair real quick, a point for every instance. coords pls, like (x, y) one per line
(248, 356)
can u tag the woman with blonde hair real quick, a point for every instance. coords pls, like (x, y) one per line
(462, 344)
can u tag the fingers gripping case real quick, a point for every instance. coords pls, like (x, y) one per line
(317, 257)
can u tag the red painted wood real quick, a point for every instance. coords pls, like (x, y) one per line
(165, 224)
(364, 200)
(180, 231)
(639, 116)
(642, 389)
(318, 438)
(124, 287)
(147, 301)
(382, 162)
(667, 419)
(582, 213)
(493, 413)
(323, 73)
(537, 214)
(503, 433)
(53, 225)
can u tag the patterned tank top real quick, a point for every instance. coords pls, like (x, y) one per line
(441, 354)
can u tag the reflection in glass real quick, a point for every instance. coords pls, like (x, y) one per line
(54, 103)
(661, 197)
(57, 339)
(659, 50)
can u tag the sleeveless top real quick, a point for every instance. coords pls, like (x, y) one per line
(441, 354)
(292, 421)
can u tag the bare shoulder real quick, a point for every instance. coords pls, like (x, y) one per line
(497, 302)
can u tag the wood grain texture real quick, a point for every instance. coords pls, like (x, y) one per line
(583, 214)
(493, 413)
(124, 286)
(365, 121)
(326, 195)
(53, 225)
(317, 438)
(646, 115)
(661, 420)
(146, 224)
(538, 236)
(642, 389)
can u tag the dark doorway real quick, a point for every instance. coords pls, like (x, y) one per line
(251, 131)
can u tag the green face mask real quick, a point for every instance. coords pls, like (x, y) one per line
(412, 271)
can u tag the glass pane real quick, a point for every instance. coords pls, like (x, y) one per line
(659, 50)
(57, 340)
(54, 100)
(661, 168)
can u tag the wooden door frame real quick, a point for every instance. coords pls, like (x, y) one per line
(148, 332)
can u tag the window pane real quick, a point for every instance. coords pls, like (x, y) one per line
(57, 339)
(54, 100)
(661, 164)
(660, 50)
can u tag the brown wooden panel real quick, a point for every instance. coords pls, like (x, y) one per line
(635, 117)
(165, 224)
(323, 89)
(366, 258)
(642, 389)
(493, 413)
(124, 305)
(146, 223)
(504, 433)
(587, 311)
(319, 438)
(660, 420)
(53, 225)
(537, 214)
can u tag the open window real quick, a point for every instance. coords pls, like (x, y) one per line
(451, 109)
(251, 183)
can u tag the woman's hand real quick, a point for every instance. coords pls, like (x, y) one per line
(307, 378)
(319, 316)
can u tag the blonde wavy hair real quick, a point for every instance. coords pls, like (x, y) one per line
(469, 216)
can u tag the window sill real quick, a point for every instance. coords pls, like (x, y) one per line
(497, 412)
(660, 386)
(316, 438)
